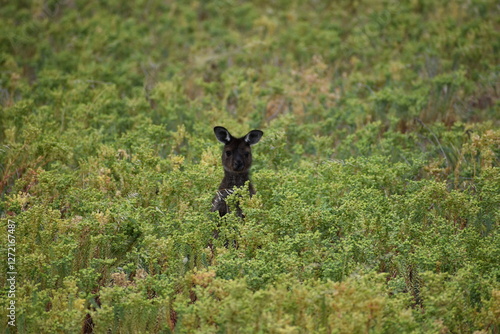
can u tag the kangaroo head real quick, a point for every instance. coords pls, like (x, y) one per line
(237, 152)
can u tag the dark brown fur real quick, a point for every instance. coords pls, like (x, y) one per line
(237, 160)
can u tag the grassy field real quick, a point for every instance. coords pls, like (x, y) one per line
(378, 176)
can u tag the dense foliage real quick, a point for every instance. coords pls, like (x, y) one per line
(378, 181)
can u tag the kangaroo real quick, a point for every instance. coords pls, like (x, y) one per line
(236, 159)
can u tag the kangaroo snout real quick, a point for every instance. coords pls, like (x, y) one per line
(238, 165)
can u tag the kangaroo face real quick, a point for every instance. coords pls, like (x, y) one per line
(237, 153)
(237, 156)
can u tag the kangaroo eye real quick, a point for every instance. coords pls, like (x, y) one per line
(228, 153)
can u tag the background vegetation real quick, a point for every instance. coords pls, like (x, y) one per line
(378, 183)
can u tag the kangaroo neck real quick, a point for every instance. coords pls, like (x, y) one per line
(232, 179)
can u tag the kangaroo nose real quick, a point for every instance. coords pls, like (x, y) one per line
(238, 165)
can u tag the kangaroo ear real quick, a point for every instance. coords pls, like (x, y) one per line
(253, 137)
(222, 135)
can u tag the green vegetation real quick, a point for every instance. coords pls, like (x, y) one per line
(378, 176)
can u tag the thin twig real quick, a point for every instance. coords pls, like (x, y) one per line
(437, 140)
